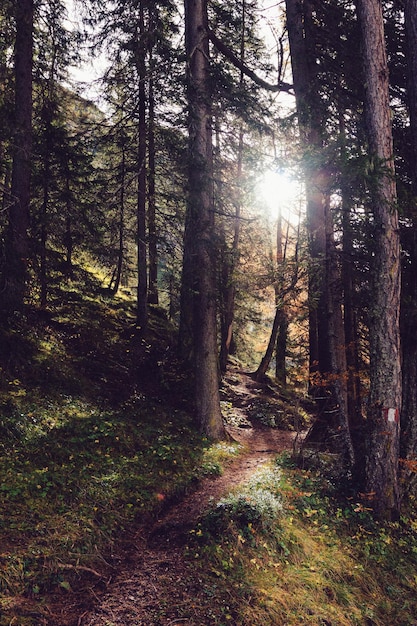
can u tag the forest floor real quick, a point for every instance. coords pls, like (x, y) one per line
(115, 510)
(153, 582)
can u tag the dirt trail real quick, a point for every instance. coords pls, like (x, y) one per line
(154, 579)
(157, 579)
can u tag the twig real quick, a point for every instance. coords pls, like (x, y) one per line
(81, 568)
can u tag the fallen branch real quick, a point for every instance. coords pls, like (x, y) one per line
(81, 568)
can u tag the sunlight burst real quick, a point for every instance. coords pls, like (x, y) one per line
(282, 193)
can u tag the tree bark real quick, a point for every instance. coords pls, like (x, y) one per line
(266, 359)
(15, 270)
(48, 115)
(308, 111)
(68, 240)
(117, 275)
(44, 233)
(142, 292)
(153, 297)
(278, 337)
(231, 260)
(326, 340)
(200, 220)
(354, 401)
(338, 364)
(350, 328)
(409, 283)
(282, 335)
(384, 404)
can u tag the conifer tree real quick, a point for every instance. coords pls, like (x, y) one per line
(199, 234)
(326, 337)
(384, 403)
(14, 273)
(409, 244)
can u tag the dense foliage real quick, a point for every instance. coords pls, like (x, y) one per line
(138, 257)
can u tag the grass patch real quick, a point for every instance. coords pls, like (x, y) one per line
(217, 456)
(95, 438)
(290, 551)
(69, 491)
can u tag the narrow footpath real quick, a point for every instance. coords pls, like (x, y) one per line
(157, 577)
(153, 579)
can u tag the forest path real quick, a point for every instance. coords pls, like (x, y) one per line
(154, 579)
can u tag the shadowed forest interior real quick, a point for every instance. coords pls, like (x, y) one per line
(208, 262)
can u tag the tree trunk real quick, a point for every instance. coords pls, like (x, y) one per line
(350, 328)
(115, 284)
(354, 401)
(232, 260)
(200, 220)
(309, 121)
(44, 233)
(324, 309)
(266, 359)
(282, 335)
(68, 236)
(14, 275)
(142, 292)
(409, 284)
(384, 404)
(281, 349)
(153, 297)
(153, 249)
(338, 365)
(280, 319)
(228, 266)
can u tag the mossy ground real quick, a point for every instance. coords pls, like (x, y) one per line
(97, 437)
(93, 439)
(319, 559)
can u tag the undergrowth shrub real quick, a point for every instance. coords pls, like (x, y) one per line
(290, 549)
(255, 506)
(216, 456)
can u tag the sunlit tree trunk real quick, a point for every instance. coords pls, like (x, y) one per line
(281, 339)
(199, 238)
(279, 325)
(15, 270)
(308, 112)
(384, 405)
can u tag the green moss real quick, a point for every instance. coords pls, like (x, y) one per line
(89, 444)
(316, 559)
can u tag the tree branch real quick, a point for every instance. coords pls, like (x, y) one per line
(221, 47)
